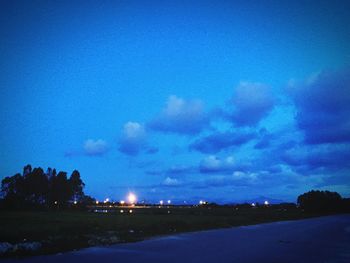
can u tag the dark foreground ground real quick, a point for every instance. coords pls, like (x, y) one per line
(38, 233)
(323, 239)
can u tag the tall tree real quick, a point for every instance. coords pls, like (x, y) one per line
(61, 189)
(10, 185)
(36, 186)
(12, 189)
(53, 191)
(49, 172)
(27, 169)
(76, 185)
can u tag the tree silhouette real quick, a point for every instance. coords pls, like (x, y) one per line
(34, 188)
(27, 169)
(61, 189)
(13, 190)
(76, 185)
(320, 201)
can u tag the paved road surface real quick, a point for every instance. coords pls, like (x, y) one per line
(325, 239)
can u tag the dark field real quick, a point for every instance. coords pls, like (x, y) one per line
(62, 231)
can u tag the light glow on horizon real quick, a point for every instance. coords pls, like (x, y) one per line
(132, 198)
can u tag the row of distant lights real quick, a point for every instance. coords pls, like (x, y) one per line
(265, 203)
(75, 202)
(130, 211)
(132, 200)
(161, 202)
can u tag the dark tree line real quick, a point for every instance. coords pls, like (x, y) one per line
(323, 201)
(36, 188)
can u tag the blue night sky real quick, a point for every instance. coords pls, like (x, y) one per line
(184, 100)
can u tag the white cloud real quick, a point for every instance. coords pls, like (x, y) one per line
(251, 103)
(171, 182)
(213, 163)
(133, 138)
(239, 175)
(134, 130)
(95, 147)
(181, 116)
(177, 106)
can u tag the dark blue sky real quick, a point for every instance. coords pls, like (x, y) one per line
(181, 100)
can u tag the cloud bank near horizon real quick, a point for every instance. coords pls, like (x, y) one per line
(315, 145)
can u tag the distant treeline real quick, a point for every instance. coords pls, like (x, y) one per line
(35, 188)
(323, 201)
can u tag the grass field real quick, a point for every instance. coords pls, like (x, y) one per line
(62, 231)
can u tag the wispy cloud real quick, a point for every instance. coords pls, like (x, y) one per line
(222, 140)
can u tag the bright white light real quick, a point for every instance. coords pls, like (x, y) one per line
(253, 204)
(107, 200)
(55, 202)
(122, 202)
(75, 202)
(130, 211)
(132, 198)
(201, 202)
(96, 202)
(121, 211)
(266, 202)
(169, 202)
(161, 202)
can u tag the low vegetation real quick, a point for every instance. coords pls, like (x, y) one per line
(52, 229)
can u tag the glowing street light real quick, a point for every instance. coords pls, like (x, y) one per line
(201, 202)
(266, 202)
(161, 202)
(122, 202)
(169, 202)
(132, 198)
(97, 202)
(75, 202)
(253, 204)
